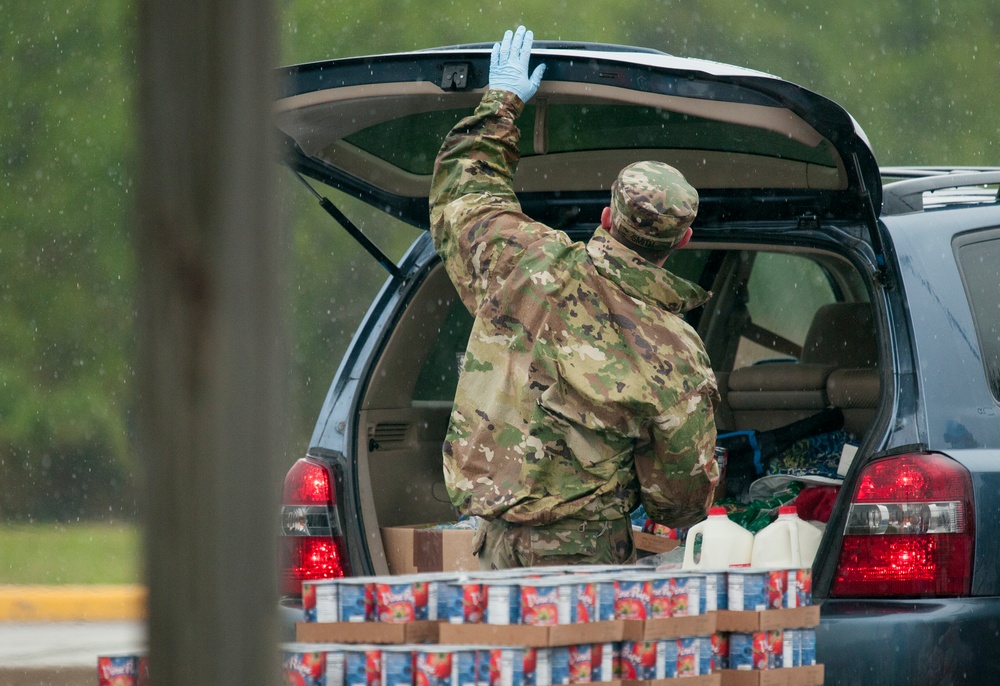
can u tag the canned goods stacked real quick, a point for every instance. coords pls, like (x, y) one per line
(308, 664)
(488, 626)
(772, 649)
(768, 589)
(770, 623)
(392, 600)
(535, 597)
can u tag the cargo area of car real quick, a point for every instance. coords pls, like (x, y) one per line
(768, 378)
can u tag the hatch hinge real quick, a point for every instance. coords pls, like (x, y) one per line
(455, 77)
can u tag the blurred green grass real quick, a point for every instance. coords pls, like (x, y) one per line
(70, 554)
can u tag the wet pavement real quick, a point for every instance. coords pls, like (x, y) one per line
(63, 653)
(67, 644)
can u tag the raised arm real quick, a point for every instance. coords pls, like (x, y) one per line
(476, 219)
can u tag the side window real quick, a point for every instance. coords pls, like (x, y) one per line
(784, 291)
(979, 261)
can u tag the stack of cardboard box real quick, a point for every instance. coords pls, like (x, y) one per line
(548, 626)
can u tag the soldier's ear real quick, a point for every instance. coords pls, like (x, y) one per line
(685, 239)
(606, 218)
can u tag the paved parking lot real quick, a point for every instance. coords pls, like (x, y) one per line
(52, 635)
(63, 653)
(67, 644)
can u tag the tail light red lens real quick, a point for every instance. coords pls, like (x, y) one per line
(909, 530)
(312, 545)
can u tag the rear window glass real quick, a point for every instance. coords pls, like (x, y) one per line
(784, 292)
(411, 143)
(980, 265)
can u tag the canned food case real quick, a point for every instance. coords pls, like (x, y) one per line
(670, 627)
(811, 675)
(653, 543)
(368, 632)
(702, 680)
(767, 620)
(533, 636)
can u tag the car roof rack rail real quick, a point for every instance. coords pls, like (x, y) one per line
(967, 183)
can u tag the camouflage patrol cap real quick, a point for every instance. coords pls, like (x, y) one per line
(652, 205)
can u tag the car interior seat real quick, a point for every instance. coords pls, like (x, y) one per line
(837, 368)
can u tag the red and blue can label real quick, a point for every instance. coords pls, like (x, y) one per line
(118, 670)
(356, 602)
(303, 668)
(799, 587)
(720, 650)
(580, 661)
(433, 667)
(638, 660)
(632, 598)
(660, 598)
(397, 667)
(756, 650)
(586, 603)
(669, 649)
(544, 604)
(685, 596)
(363, 667)
(503, 603)
(715, 594)
(604, 599)
(748, 591)
(777, 585)
(602, 661)
(398, 603)
(462, 602)
(518, 667)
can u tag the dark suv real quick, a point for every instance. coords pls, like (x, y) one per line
(832, 288)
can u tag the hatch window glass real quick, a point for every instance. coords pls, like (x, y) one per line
(411, 142)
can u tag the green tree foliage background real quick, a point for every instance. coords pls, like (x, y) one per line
(918, 75)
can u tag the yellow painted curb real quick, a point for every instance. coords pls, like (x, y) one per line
(68, 603)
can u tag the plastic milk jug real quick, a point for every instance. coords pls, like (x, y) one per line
(722, 542)
(788, 542)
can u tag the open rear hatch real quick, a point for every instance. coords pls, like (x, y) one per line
(756, 147)
(763, 153)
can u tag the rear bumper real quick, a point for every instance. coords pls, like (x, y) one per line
(912, 642)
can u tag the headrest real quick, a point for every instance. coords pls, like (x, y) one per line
(842, 335)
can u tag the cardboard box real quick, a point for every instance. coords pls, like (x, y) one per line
(703, 680)
(651, 543)
(811, 675)
(575, 634)
(669, 627)
(531, 636)
(366, 632)
(767, 620)
(412, 549)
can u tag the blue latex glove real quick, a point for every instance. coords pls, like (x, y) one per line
(509, 65)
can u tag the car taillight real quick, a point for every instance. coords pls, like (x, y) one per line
(909, 530)
(311, 545)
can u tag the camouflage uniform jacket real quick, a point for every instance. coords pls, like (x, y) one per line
(582, 388)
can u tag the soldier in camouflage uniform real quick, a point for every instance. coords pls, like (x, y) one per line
(583, 390)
